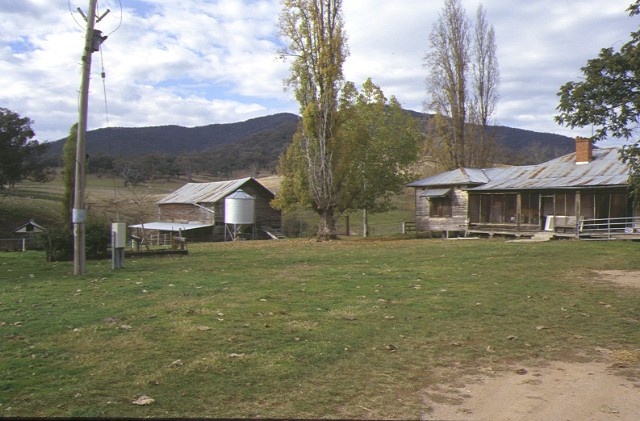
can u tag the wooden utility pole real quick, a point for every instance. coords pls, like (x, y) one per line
(93, 39)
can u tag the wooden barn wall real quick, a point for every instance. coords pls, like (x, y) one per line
(264, 213)
(457, 221)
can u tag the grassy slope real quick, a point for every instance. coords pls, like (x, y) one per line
(299, 329)
(105, 197)
(108, 198)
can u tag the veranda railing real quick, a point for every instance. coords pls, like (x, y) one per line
(609, 227)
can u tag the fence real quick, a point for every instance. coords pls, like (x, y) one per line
(610, 227)
(17, 244)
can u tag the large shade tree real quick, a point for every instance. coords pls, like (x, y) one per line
(607, 99)
(351, 147)
(378, 140)
(19, 151)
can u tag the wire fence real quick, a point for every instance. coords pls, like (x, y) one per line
(18, 244)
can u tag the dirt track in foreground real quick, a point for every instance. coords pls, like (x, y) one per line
(607, 389)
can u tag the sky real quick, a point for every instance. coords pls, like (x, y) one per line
(199, 62)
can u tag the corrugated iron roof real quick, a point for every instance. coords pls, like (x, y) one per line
(461, 176)
(605, 169)
(430, 193)
(204, 192)
(170, 226)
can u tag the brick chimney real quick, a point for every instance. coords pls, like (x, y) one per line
(584, 150)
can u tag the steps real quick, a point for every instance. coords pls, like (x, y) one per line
(542, 236)
(275, 234)
(536, 238)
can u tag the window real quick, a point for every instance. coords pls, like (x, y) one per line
(496, 208)
(530, 208)
(566, 203)
(440, 207)
(604, 204)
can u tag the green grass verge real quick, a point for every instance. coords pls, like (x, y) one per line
(299, 329)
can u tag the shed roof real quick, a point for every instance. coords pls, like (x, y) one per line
(461, 176)
(208, 192)
(170, 226)
(604, 170)
(31, 226)
(431, 193)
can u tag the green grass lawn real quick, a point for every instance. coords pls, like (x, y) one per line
(299, 329)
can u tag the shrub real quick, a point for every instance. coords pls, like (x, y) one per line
(97, 239)
(57, 241)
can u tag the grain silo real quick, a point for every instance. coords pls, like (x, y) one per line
(239, 216)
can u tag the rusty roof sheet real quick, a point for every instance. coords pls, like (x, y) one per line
(204, 192)
(605, 169)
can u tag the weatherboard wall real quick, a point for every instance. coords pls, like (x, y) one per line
(455, 222)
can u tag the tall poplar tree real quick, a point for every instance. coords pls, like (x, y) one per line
(484, 98)
(352, 147)
(448, 62)
(463, 85)
(318, 50)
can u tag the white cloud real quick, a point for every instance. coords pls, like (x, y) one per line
(197, 62)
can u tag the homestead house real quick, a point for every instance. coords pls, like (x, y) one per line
(577, 195)
(196, 211)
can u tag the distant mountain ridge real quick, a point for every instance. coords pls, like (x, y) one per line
(271, 133)
(173, 139)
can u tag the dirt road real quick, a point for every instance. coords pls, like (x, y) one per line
(606, 389)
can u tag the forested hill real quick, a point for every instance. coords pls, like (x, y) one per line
(139, 141)
(265, 138)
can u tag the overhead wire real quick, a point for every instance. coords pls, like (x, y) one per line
(102, 72)
(104, 86)
(120, 21)
(71, 12)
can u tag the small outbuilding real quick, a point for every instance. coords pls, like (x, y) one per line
(196, 211)
(28, 229)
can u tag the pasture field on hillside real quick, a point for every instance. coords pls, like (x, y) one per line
(299, 329)
(108, 199)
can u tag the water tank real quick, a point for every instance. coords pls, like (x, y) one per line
(239, 208)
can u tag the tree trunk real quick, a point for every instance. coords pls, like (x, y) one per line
(327, 227)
